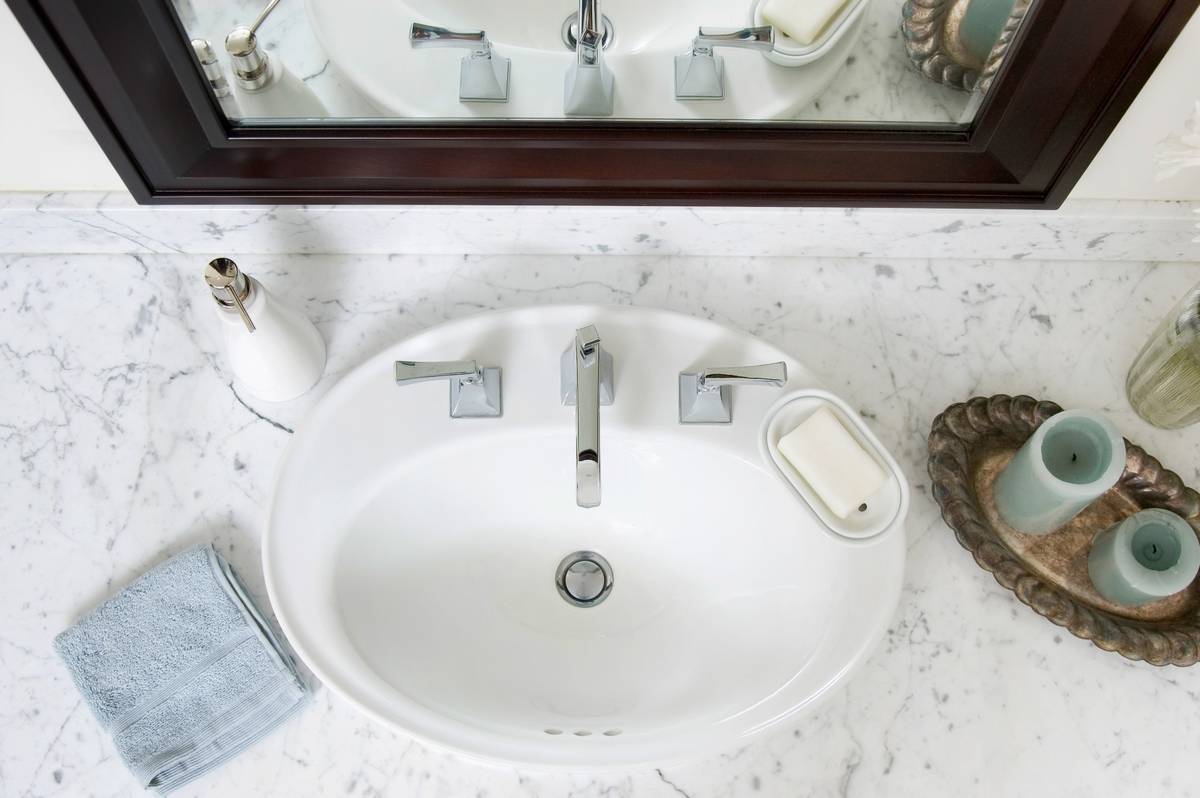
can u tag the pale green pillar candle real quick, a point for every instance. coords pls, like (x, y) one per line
(1146, 557)
(981, 26)
(1068, 462)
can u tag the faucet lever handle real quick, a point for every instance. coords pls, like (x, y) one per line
(483, 75)
(422, 35)
(422, 371)
(474, 391)
(706, 396)
(700, 74)
(761, 37)
(774, 374)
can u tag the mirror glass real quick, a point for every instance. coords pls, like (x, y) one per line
(895, 62)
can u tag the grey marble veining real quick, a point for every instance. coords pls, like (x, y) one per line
(1090, 230)
(123, 439)
(878, 83)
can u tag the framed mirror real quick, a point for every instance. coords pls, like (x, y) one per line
(774, 102)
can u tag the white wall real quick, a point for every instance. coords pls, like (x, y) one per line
(1124, 168)
(43, 143)
(45, 147)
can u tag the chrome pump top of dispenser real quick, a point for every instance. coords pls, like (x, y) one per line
(277, 355)
(230, 288)
(251, 64)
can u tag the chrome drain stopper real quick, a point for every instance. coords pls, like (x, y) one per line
(584, 578)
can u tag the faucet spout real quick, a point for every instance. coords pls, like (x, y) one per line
(589, 82)
(589, 41)
(587, 384)
(587, 417)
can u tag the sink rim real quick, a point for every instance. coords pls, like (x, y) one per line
(433, 728)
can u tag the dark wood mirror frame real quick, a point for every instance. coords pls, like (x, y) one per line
(1076, 67)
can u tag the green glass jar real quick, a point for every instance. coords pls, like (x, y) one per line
(1164, 382)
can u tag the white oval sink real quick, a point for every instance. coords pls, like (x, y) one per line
(368, 41)
(411, 557)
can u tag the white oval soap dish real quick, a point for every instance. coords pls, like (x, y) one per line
(883, 509)
(788, 52)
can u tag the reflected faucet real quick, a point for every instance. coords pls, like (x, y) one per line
(589, 83)
(587, 383)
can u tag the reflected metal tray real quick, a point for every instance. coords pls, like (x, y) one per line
(930, 29)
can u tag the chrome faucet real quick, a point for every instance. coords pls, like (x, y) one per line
(700, 74)
(705, 397)
(589, 83)
(474, 389)
(482, 75)
(587, 383)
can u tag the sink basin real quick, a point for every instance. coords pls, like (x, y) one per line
(367, 40)
(411, 557)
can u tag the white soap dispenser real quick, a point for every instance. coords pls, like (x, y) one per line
(264, 86)
(274, 350)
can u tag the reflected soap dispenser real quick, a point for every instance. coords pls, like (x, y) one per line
(273, 349)
(216, 78)
(264, 86)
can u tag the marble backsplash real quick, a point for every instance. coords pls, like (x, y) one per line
(1091, 230)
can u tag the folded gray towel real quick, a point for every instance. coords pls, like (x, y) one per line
(181, 669)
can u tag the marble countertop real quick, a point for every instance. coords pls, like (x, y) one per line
(123, 440)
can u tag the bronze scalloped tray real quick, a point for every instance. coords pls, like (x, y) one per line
(968, 446)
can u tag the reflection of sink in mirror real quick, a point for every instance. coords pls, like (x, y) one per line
(365, 39)
(870, 77)
(422, 565)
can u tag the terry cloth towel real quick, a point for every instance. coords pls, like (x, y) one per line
(181, 669)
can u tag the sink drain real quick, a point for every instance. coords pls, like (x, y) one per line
(584, 578)
(570, 31)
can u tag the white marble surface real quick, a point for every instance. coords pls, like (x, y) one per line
(123, 440)
(877, 84)
(1093, 230)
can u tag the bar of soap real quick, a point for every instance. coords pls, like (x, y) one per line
(802, 21)
(832, 462)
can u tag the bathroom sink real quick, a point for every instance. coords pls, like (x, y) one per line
(367, 40)
(411, 557)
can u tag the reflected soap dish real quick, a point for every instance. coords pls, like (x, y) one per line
(971, 442)
(881, 512)
(790, 53)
